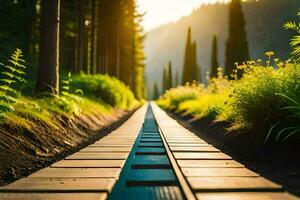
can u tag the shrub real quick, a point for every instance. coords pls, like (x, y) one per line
(173, 97)
(104, 88)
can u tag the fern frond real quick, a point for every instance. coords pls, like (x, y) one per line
(10, 75)
(9, 89)
(8, 81)
(16, 63)
(20, 79)
(12, 69)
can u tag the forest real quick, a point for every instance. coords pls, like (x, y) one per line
(96, 105)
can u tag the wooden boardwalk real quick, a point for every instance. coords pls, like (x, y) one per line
(89, 174)
(209, 173)
(203, 172)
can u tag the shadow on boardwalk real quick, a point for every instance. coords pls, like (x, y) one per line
(278, 165)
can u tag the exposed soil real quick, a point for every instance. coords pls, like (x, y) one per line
(280, 164)
(24, 151)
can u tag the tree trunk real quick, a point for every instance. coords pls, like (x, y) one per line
(48, 71)
(93, 37)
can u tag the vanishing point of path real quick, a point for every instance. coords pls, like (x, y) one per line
(149, 157)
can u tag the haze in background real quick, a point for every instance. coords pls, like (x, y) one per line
(160, 12)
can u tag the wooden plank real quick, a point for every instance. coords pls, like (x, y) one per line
(194, 149)
(111, 145)
(209, 163)
(185, 142)
(189, 145)
(53, 196)
(211, 172)
(203, 156)
(89, 164)
(245, 196)
(106, 149)
(60, 185)
(98, 156)
(77, 173)
(231, 183)
(114, 143)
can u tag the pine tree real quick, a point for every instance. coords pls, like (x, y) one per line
(155, 91)
(214, 58)
(164, 82)
(195, 73)
(176, 81)
(187, 58)
(48, 70)
(237, 45)
(190, 67)
(170, 76)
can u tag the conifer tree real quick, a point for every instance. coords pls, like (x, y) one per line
(190, 67)
(214, 58)
(237, 45)
(176, 81)
(164, 82)
(187, 58)
(155, 91)
(195, 73)
(170, 76)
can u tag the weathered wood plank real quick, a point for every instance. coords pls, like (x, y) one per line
(89, 164)
(246, 196)
(77, 173)
(211, 172)
(204, 156)
(111, 145)
(189, 145)
(106, 149)
(60, 185)
(231, 183)
(53, 196)
(209, 163)
(194, 149)
(98, 156)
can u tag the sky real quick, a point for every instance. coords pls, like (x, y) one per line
(160, 12)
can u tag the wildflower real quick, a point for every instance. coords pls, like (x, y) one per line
(269, 53)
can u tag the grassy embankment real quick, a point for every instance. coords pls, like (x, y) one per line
(36, 131)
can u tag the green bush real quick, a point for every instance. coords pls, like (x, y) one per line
(105, 88)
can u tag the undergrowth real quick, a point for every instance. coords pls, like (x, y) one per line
(265, 101)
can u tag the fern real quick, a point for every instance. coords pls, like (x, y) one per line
(65, 90)
(295, 42)
(11, 75)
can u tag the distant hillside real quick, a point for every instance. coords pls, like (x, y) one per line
(265, 19)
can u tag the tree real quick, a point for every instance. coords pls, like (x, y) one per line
(155, 91)
(187, 58)
(237, 45)
(190, 67)
(169, 83)
(195, 73)
(176, 81)
(214, 58)
(164, 83)
(48, 70)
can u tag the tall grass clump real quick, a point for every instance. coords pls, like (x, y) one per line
(104, 88)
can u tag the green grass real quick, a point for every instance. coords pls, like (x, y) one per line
(266, 95)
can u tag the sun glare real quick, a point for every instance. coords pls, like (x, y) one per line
(165, 11)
